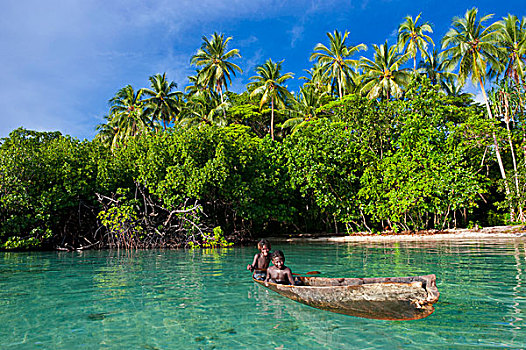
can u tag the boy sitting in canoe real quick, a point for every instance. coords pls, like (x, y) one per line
(279, 273)
(261, 260)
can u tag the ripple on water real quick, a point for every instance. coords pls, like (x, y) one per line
(205, 299)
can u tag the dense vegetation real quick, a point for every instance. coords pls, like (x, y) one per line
(366, 144)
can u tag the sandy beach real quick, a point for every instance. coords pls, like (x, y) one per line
(495, 232)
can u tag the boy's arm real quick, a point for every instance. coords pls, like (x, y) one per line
(267, 277)
(289, 276)
(253, 266)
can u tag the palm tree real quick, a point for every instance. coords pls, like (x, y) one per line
(195, 87)
(474, 49)
(127, 114)
(451, 88)
(268, 85)
(204, 108)
(506, 106)
(512, 37)
(213, 58)
(162, 102)
(305, 105)
(318, 78)
(106, 132)
(336, 58)
(434, 68)
(412, 35)
(383, 77)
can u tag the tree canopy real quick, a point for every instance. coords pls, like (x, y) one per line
(364, 144)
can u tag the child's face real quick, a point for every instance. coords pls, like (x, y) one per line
(278, 262)
(265, 250)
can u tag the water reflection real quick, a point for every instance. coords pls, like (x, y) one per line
(205, 298)
(518, 291)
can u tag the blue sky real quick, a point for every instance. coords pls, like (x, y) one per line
(61, 61)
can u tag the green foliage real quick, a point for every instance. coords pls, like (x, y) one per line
(426, 174)
(216, 240)
(411, 163)
(323, 162)
(406, 156)
(417, 163)
(47, 184)
(227, 169)
(32, 242)
(250, 115)
(122, 221)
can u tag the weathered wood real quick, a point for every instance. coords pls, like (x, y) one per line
(387, 298)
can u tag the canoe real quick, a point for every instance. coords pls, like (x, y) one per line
(385, 298)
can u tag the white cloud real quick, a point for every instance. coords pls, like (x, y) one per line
(62, 60)
(296, 33)
(252, 39)
(249, 64)
(394, 34)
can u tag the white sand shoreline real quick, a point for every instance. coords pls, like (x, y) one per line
(493, 233)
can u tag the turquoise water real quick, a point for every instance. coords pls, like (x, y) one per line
(205, 299)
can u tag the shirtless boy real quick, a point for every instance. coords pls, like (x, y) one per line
(261, 260)
(279, 273)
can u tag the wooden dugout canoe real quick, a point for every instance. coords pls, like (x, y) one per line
(385, 298)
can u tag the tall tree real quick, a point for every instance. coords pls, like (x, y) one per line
(214, 58)
(434, 68)
(162, 102)
(106, 132)
(337, 57)
(204, 108)
(383, 76)
(318, 78)
(268, 85)
(127, 114)
(506, 105)
(512, 37)
(412, 35)
(474, 48)
(305, 105)
(196, 87)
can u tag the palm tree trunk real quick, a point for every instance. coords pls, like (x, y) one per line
(222, 101)
(490, 115)
(515, 172)
(220, 91)
(521, 109)
(496, 144)
(507, 118)
(272, 118)
(340, 84)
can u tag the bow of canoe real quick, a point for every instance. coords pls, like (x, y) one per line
(386, 298)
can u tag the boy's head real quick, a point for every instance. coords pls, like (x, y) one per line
(264, 246)
(278, 259)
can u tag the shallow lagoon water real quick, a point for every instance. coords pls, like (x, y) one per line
(197, 299)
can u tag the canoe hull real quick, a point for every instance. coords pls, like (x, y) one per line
(390, 298)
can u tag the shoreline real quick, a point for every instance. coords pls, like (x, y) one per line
(494, 232)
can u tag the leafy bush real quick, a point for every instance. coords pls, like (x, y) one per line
(47, 184)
